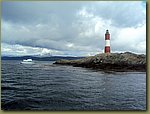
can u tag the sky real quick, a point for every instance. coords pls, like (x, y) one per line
(75, 28)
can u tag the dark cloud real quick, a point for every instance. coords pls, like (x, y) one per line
(122, 13)
(74, 27)
(32, 12)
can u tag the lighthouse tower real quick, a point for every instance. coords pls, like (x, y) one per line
(107, 42)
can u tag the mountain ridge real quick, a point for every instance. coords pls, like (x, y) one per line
(51, 58)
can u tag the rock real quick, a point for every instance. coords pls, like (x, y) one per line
(112, 61)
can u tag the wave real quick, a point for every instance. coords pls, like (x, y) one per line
(21, 104)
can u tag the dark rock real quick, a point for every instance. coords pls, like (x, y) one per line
(114, 61)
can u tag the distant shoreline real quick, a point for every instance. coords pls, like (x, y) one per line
(114, 62)
(50, 58)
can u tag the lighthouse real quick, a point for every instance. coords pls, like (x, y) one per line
(107, 42)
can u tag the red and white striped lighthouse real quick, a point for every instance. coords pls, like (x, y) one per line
(107, 42)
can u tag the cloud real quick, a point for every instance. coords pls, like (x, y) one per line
(133, 39)
(19, 50)
(74, 28)
(122, 13)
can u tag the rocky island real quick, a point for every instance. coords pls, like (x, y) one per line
(113, 61)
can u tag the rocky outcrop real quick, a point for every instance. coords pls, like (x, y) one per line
(114, 61)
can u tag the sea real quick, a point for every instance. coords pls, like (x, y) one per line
(45, 86)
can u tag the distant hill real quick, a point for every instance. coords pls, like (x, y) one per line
(52, 58)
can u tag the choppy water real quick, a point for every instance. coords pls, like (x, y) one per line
(44, 86)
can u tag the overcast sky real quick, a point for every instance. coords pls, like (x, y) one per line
(72, 28)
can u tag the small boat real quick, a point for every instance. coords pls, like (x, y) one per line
(27, 61)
